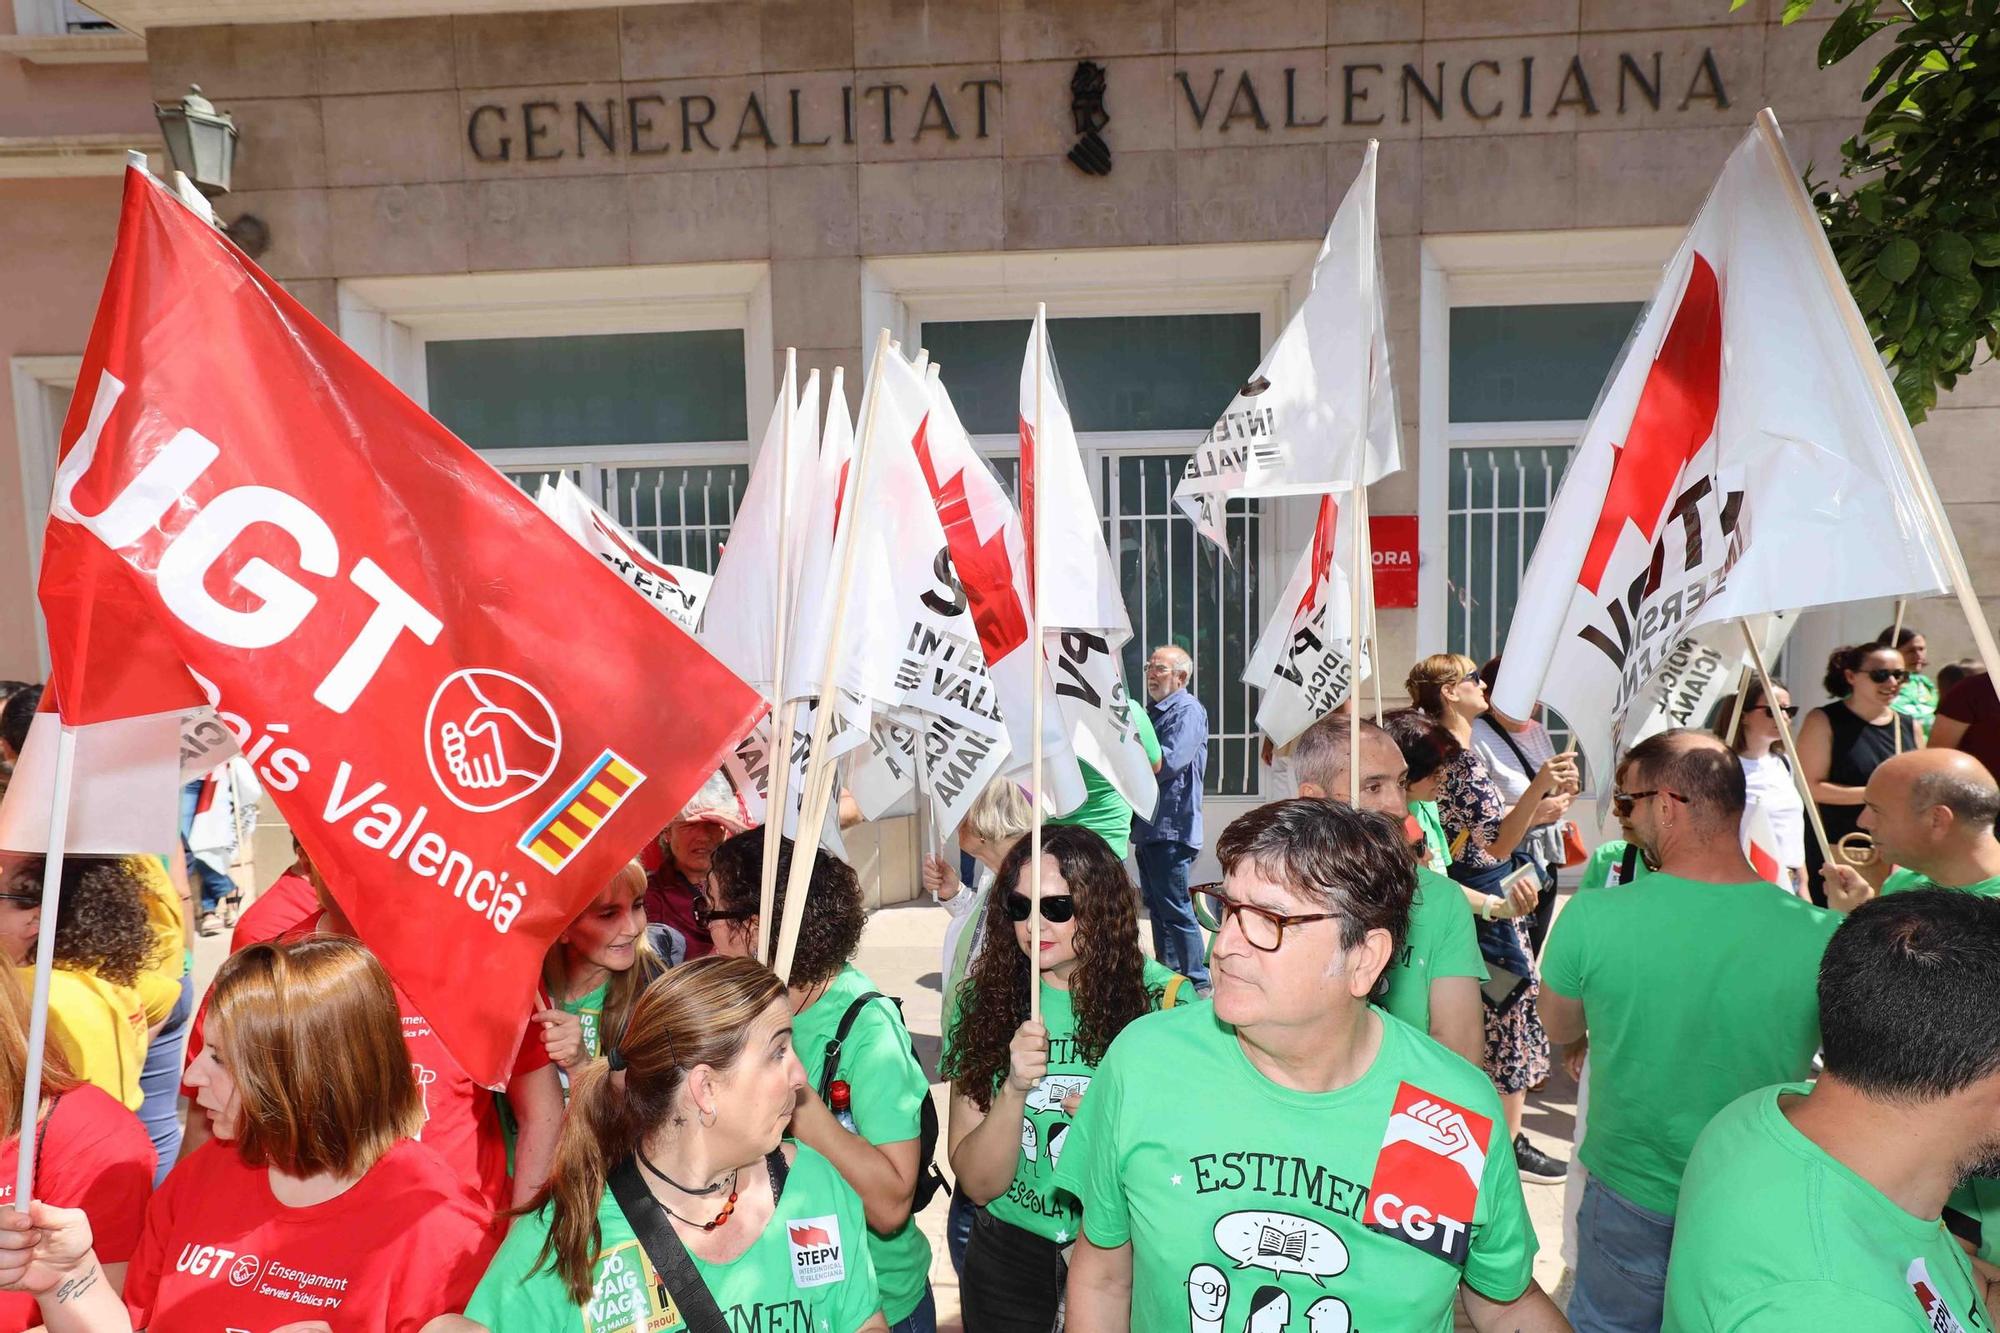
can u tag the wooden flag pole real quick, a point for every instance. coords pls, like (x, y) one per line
(1791, 749)
(1035, 496)
(1357, 505)
(45, 955)
(1374, 633)
(1886, 404)
(777, 786)
(1896, 718)
(819, 769)
(1736, 710)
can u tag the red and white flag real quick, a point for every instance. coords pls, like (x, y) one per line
(1321, 408)
(1737, 464)
(675, 590)
(1084, 623)
(1305, 661)
(466, 759)
(1760, 845)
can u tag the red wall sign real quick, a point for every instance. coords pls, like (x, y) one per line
(1394, 537)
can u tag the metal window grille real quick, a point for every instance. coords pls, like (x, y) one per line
(1179, 589)
(81, 18)
(681, 513)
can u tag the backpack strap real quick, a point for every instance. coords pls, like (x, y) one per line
(1171, 996)
(1629, 865)
(832, 1069)
(671, 1260)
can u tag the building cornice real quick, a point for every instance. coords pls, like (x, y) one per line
(57, 155)
(137, 16)
(76, 48)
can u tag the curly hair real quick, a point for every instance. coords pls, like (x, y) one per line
(101, 923)
(1108, 988)
(829, 930)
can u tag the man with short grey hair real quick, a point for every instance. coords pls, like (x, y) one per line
(1166, 845)
(1930, 813)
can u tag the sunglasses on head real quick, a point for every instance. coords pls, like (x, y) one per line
(1623, 801)
(1056, 907)
(1883, 675)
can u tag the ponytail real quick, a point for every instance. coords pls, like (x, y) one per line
(1844, 660)
(595, 1132)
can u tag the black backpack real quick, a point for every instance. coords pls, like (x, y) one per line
(930, 1180)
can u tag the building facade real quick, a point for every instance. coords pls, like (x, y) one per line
(583, 238)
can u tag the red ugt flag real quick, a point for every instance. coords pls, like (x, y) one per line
(391, 626)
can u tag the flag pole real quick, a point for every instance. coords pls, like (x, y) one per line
(1896, 719)
(1374, 633)
(1791, 750)
(1736, 709)
(1035, 497)
(1356, 506)
(1886, 404)
(777, 787)
(45, 954)
(819, 769)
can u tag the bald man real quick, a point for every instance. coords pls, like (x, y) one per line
(1931, 814)
(1696, 985)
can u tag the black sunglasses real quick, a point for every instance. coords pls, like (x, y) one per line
(705, 916)
(1623, 801)
(22, 899)
(1883, 675)
(1056, 907)
(1789, 710)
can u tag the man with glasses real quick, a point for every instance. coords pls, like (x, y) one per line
(1167, 845)
(1695, 985)
(1319, 1165)
(1433, 981)
(1931, 814)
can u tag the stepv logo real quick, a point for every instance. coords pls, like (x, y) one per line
(816, 1251)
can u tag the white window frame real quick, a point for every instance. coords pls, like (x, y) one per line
(38, 433)
(390, 320)
(1536, 268)
(51, 18)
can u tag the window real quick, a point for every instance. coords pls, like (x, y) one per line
(1138, 386)
(47, 18)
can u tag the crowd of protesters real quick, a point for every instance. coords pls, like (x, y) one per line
(1296, 1101)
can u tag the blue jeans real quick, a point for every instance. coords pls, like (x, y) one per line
(923, 1319)
(1621, 1264)
(211, 885)
(160, 1082)
(1163, 882)
(958, 1229)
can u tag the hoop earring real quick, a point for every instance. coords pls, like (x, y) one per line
(707, 1118)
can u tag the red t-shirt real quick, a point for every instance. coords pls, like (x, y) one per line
(1971, 701)
(91, 1154)
(405, 1244)
(289, 902)
(461, 1118)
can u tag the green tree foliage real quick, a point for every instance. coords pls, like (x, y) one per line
(1915, 219)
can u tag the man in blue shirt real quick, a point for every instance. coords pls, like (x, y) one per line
(1167, 844)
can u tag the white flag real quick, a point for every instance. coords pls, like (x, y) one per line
(1700, 672)
(1321, 407)
(1084, 623)
(1305, 660)
(676, 590)
(741, 626)
(1737, 463)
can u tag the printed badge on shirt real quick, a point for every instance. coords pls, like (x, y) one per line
(1937, 1315)
(817, 1255)
(630, 1296)
(1427, 1177)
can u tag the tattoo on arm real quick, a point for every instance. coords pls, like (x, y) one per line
(73, 1288)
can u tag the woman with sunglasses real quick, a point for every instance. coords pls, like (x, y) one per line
(1772, 798)
(863, 1105)
(1843, 742)
(1016, 1084)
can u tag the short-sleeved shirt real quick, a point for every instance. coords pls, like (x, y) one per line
(404, 1244)
(889, 1089)
(1904, 880)
(1695, 994)
(1972, 702)
(1031, 1201)
(808, 1270)
(1775, 1235)
(1441, 942)
(1606, 866)
(286, 903)
(1362, 1207)
(1973, 1214)
(90, 1153)
(1917, 699)
(1104, 812)
(589, 1010)
(159, 983)
(100, 1027)
(1426, 813)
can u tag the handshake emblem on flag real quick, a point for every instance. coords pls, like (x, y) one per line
(496, 736)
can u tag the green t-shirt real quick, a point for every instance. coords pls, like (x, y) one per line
(889, 1088)
(590, 1010)
(1030, 1202)
(1104, 812)
(1918, 699)
(1773, 1235)
(1694, 994)
(1607, 864)
(1428, 819)
(1341, 1208)
(805, 1271)
(1910, 879)
(1976, 1203)
(1441, 943)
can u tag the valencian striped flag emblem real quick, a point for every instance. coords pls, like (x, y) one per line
(568, 825)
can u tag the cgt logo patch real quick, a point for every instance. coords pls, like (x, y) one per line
(1427, 1177)
(816, 1252)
